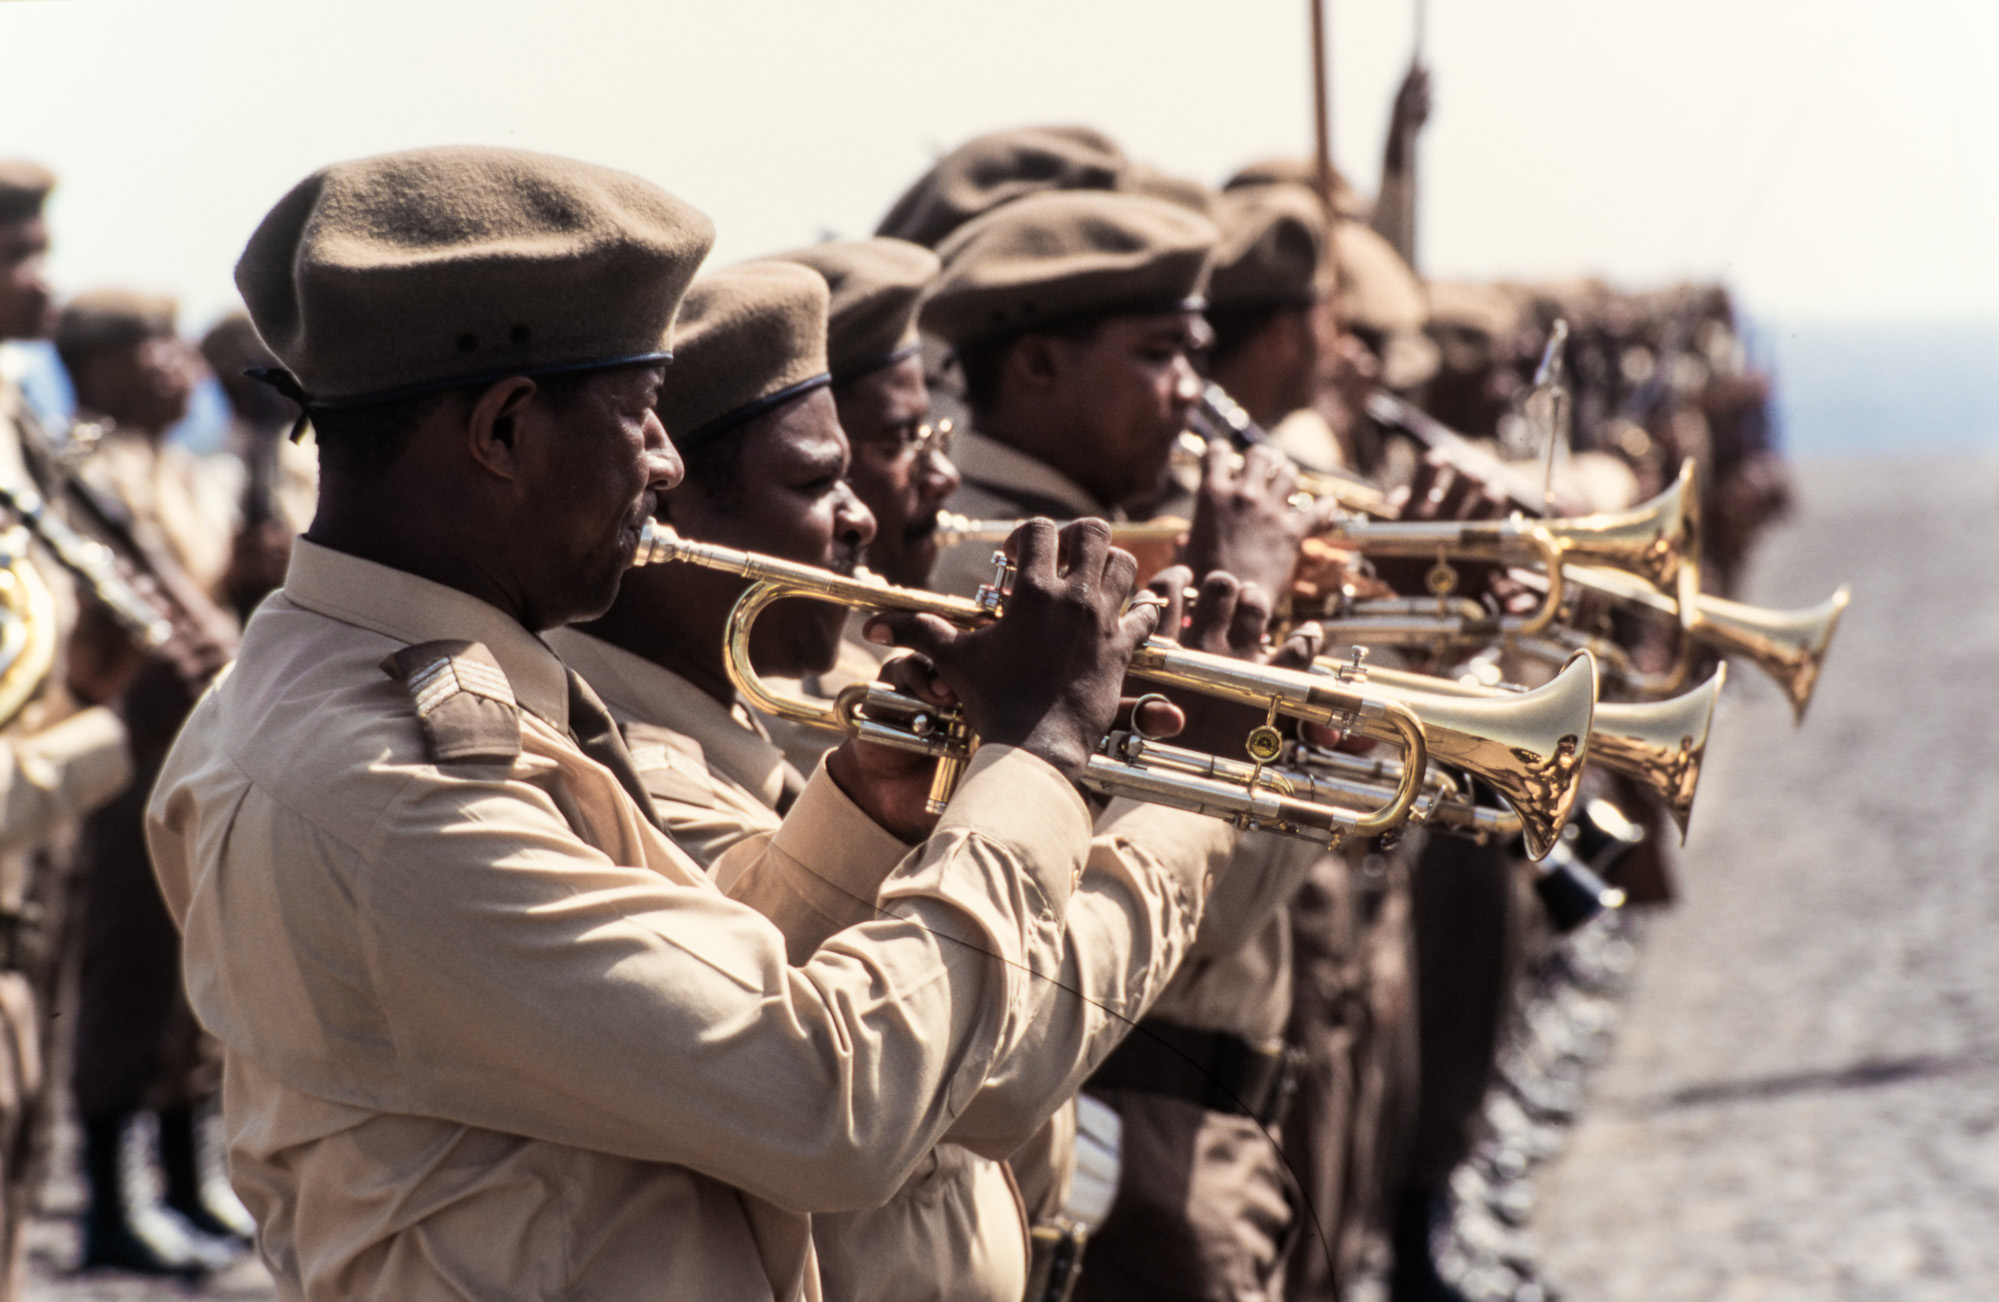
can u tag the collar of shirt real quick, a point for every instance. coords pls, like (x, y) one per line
(398, 604)
(637, 690)
(987, 462)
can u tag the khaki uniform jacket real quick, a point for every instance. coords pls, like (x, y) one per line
(715, 777)
(957, 1227)
(177, 503)
(490, 1034)
(1238, 974)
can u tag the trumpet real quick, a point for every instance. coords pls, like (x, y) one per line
(1217, 415)
(1654, 540)
(1530, 747)
(93, 563)
(1659, 744)
(1788, 645)
(953, 529)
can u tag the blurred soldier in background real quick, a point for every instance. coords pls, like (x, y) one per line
(280, 477)
(142, 1066)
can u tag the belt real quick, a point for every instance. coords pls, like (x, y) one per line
(1055, 1259)
(1218, 1070)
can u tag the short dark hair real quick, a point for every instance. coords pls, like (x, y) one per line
(982, 364)
(362, 443)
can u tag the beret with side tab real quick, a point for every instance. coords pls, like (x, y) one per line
(464, 703)
(407, 273)
(752, 337)
(875, 285)
(1058, 258)
(24, 188)
(1272, 250)
(987, 171)
(1302, 172)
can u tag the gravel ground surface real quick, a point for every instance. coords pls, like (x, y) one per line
(1803, 1100)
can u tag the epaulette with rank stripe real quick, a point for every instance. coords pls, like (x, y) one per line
(463, 702)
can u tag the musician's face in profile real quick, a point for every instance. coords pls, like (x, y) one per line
(1128, 386)
(27, 307)
(778, 487)
(900, 471)
(145, 386)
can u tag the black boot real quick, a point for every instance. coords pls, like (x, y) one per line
(112, 1240)
(214, 1212)
(1419, 1214)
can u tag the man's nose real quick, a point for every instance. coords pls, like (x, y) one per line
(1186, 381)
(664, 466)
(854, 523)
(939, 478)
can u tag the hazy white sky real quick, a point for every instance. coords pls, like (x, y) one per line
(1832, 159)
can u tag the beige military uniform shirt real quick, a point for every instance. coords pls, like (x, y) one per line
(177, 503)
(715, 777)
(490, 1034)
(1001, 483)
(957, 1226)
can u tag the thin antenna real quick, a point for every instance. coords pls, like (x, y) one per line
(1322, 107)
(1551, 388)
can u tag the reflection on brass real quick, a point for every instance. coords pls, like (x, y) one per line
(1788, 645)
(1659, 744)
(27, 627)
(1508, 743)
(953, 529)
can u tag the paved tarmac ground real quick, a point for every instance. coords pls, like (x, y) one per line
(1803, 1101)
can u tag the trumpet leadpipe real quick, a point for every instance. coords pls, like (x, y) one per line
(953, 529)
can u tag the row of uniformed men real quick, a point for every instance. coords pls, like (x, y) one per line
(489, 1032)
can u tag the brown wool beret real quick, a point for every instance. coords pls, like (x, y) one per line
(231, 346)
(406, 273)
(24, 186)
(1272, 250)
(876, 285)
(1299, 171)
(751, 337)
(983, 173)
(107, 319)
(1185, 191)
(1055, 258)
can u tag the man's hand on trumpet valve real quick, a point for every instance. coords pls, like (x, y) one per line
(1228, 617)
(1245, 521)
(1046, 675)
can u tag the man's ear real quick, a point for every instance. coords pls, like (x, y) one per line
(493, 422)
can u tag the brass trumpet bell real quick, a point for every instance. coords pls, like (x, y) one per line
(1788, 645)
(1653, 539)
(1659, 744)
(1529, 747)
(27, 627)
